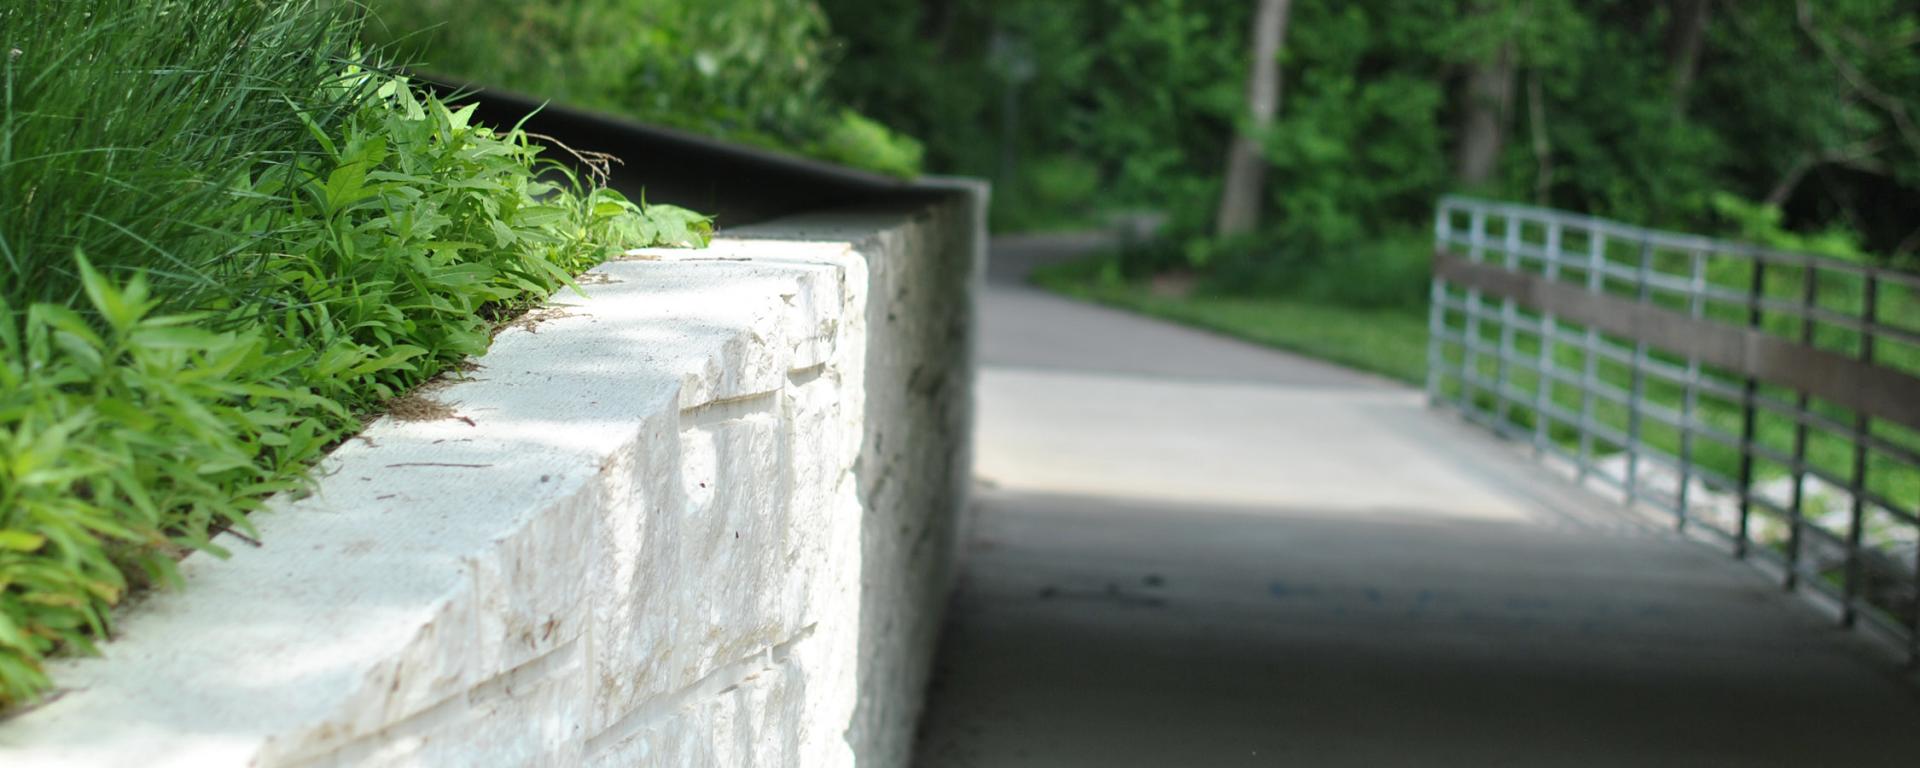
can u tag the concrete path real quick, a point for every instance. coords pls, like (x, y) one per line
(1194, 552)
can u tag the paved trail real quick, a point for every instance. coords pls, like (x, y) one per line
(1195, 552)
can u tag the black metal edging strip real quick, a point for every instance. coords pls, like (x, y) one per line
(1881, 392)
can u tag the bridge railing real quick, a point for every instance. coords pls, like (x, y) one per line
(1768, 399)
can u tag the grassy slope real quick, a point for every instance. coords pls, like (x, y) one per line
(1390, 342)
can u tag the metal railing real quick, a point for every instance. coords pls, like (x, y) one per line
(1768, 399)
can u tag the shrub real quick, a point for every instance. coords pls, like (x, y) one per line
(1377, 271)
(853, 139)
(748, 70)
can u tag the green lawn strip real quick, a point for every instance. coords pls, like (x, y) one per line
(1389, 342)
(166, 367)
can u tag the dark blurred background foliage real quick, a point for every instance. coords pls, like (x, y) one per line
(1792, 123)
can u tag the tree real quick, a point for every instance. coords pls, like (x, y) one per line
(1686, 32)
(1644, 110)
(1244, 192)
(1488, 102)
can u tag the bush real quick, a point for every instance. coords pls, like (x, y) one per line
(748, 70)
(1059, 191)
(1388, 270)
(209, 284)
(854, 140)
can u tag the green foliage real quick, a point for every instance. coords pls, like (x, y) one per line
(127, 123)
(1143, 93)
(1058, 190)
(854, 140)
(747, 70)
(1761, 224)
(1826, 88)
(1389, 341)
(1809, 103)
(166, 367)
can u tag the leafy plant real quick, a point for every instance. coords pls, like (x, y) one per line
(164, 368)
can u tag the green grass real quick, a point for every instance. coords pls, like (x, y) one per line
(1391, 342)
(223, 243)
(128, 123)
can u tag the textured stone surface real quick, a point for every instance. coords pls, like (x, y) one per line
(702, 515)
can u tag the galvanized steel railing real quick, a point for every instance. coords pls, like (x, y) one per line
(1770, 399)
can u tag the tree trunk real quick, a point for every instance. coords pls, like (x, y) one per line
(1686, 33)
(936, 21)
(1246, 168)
(1542, 149)
(1484, 119)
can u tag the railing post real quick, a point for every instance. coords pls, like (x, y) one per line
(1796, 509)
(1543, 389)
(1436, 307)
(1509, 317)
(1590, 372)
(1690, 395)
(1913, 621)
(1470, 334)
(1643, 290)
(1749, 412)
(1857, 483)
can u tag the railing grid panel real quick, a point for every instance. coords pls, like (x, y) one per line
(1770, 400)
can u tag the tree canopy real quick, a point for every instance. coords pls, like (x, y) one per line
(1698, 114)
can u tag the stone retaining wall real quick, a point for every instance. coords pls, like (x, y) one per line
(703, 515)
